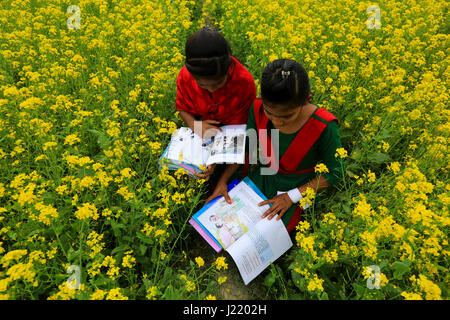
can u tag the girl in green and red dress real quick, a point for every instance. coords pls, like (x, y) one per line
(308, 135)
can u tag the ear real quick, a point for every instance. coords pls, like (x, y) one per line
(308, 100)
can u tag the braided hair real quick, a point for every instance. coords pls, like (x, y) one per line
(285, 81)
(207, 54)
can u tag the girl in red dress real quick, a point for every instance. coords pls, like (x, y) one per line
(213, 87)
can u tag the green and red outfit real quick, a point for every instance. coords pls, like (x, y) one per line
(299, 153)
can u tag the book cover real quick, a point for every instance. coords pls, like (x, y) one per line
(201, 230)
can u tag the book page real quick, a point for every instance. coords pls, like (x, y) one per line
(228, 146)
(228, 222)
(260, 246)
(188, 147)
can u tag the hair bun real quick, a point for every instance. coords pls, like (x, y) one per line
(285, 74)
(206, 28)
(285, 81)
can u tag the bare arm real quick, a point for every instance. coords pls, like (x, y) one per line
(188, 118)
(228, 172)
(318, 184)
(201, 126)
(222, 186)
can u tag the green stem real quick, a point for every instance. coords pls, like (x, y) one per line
(59, 243)
(343, 178)
(314, 203)
(157, 265)
(81, 243)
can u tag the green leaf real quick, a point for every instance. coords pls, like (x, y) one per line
(144, 238)
(155, 255)
(351, 174)
(100, 282)
(346, 208)
(385, 134)
(34, 232)
(142, 249)
(73, 255)
(58, 227)
(102, 139)
(356, 154)
(400, 268)
(379, 158)
(116, 228)
(324, 296)
(360, 290)
(121, 248)
(168, 274)
(12, 235)
(269, 280)
(296, 296)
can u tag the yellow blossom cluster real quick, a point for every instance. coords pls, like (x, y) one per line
(84, 120)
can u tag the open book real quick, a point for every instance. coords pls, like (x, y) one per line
(190, 152)
(252, 242)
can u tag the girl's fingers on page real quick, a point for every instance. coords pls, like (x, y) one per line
(213, 126)
(265, 202)
(210, 198)
(211, 121)
(227, 198)
(268, 212)
(207, 200)
(210, 131)
(273, 214)
(281, 214)
(276, 211)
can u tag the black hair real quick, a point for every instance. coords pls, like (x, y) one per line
(207, 54)
(285, 81)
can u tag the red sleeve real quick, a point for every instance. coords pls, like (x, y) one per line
(247, 100)
(244, 94)
(182, 102)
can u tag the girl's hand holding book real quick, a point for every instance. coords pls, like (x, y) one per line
(206, 174)
(208, 128)
(280, 204)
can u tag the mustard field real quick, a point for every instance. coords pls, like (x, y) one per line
(87, 94)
